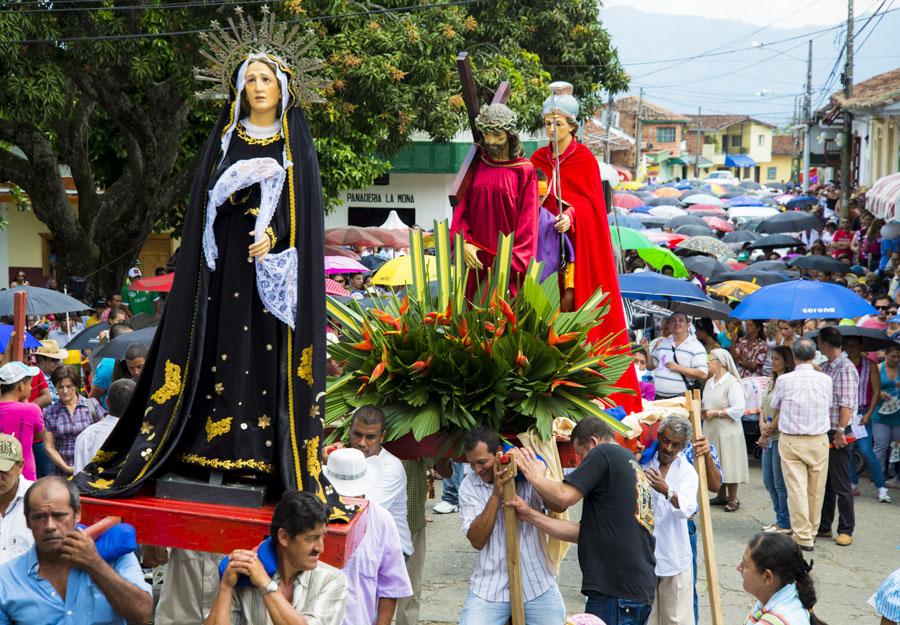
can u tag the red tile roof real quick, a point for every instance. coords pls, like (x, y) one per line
(649, 110)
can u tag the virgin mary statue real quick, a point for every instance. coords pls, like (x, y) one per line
(234, 381)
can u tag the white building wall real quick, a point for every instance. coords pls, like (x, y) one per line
(427, 194)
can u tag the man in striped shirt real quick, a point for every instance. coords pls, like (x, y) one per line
(679, 359)
(481, 513)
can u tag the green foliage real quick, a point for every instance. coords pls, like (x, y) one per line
(505, 362)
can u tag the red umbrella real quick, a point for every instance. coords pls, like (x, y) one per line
(670, 239)
(719, 224)
(333, 287)
(735, 265)
(626, 200)
(707, 209)
(334, 250)
(353, 235)
(161, 283)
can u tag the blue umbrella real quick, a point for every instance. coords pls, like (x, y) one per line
(802, 201)
(745, 200)
(803, 299)
(625, 221)
(641, 209)
(651, 286)
(6, 330)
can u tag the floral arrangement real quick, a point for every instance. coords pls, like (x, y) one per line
(437, 363)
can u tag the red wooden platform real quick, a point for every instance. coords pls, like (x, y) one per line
(215, 528)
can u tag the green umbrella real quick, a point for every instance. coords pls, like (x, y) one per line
(628, 239)
(659, 257)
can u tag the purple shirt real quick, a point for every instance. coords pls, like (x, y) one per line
(376, 569)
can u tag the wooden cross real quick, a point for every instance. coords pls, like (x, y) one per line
(470, 97)
(513, 557)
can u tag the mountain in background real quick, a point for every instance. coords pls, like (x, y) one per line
(730, 83)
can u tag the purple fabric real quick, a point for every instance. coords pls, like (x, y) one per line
(648, 390)
(376, 569)
(548, 244)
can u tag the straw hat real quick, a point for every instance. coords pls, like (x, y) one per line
(51, 349)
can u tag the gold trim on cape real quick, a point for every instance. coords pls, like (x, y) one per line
(227, 465)
(171, 386)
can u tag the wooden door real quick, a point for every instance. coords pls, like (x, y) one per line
(155, 253)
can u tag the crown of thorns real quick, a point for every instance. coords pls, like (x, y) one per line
(230, 46)
(496, 117)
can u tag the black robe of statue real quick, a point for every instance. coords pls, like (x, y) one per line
(226, 385)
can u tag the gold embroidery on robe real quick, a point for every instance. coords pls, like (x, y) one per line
(271, 234)
(304, 371)
(252, 141)
(172, 385)
(101, 484)
(102, 457)
(217, 428)
(228, 465)
(252, 211)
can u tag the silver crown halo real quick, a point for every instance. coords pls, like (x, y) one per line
(228, 47)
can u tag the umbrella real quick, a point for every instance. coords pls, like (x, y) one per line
(666, 201)
(735, 265)
(141, 321)
(372, 262)
(772, 241)
(694, 231)
(667, 212)
(718, 189)
(658, 237)
(790, 221)
(625, 221)
(116, 348)
(161, 283)
(735, 289)
(7, 330)
(334, 250)
(750, 184)
(685, 220)
(398, 271)
(745, 200)
(628, 239)
(740, 236)
(802, 201)
(352, 235)
(706, 266)
(751, 212)
(706, 245)
(702, 198)
(769, 265)
(778, 186)
(872, 339)
(718, 224)
(627, 200)
(649, 221)
(706, 209)
(40, 301)
(647, 285)
(88, 338)
(332, 287)
(640, 209)
(762, 278)
(803, 299)
(659, 257)
(667, 192)
(342, 264)
(710, 310)
(819, 263)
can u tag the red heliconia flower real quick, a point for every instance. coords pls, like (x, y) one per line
(556, 383)
(521, 360)
(509, 314)
(490, 327)
(377, 371)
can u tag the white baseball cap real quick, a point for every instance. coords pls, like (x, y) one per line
(134, 272)
(13, 372)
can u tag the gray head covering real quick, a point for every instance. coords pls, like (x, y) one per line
(561, 101)
(727, 361)
(496, 117)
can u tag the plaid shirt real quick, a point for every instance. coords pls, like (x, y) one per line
(845, 385)
(66, 427)
(804, 399)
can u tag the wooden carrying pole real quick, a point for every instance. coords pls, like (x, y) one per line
(20, 301)
(709, 547)
(516, 598)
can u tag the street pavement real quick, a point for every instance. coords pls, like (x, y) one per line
(845, 577)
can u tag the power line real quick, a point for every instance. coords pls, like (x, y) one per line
(318, 18)
(53, 9)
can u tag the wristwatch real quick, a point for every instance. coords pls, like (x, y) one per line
(271, 587)
(669, 494)
(840, 429)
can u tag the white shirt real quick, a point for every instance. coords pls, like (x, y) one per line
(391, 495)
(673, 546)
(91, 439)
(15, 537)
(490, 580)
(736, 400)
(689, 353)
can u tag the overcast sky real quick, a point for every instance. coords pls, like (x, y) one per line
(787, 13)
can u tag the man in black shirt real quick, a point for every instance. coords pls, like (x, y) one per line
(615, 536)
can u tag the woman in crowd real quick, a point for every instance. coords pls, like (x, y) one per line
(869, 392)
(706, 333)
(751, 349)
(67, 418)
(723, 406)
(773, 570)
(782, 362)
(886, 419)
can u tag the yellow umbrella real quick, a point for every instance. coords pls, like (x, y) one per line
(734, 289)
(717, 189)
(667, 192)
(631, 185)
(398, 271)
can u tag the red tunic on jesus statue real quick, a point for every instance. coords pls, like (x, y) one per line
(502, 197)
(582, 190)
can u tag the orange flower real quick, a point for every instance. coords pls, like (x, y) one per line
(490, 327)
(404, 306)
(385, 318)
(377, 371)
(521, 360)
(556, 383)
(509, 314)
(363, 346)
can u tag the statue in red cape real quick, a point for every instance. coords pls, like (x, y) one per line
(502, 197)
(578, 191)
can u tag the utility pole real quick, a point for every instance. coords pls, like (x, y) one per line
(699, 142)
(796, 165)
(609, 111)
(847, 146)
(807, 118)
(637, 134)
